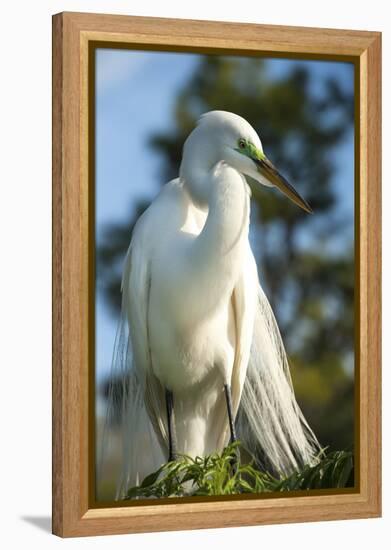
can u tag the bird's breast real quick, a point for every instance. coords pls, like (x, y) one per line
(184, 355)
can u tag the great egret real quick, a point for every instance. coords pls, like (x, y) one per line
(197, 338)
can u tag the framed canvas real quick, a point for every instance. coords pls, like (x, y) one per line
(232, 430)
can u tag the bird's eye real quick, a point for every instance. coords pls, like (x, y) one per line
(242, 143)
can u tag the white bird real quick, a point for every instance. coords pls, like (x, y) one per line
(197, 338)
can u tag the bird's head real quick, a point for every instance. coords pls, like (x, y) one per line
(221, 135)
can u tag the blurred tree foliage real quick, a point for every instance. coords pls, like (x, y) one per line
(309, 280)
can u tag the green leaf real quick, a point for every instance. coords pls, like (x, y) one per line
(151, 478)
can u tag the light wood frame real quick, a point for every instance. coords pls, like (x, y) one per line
(73, 514)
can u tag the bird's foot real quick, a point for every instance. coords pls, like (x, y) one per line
(235, 460)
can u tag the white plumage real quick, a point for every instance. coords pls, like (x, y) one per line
(194, 316)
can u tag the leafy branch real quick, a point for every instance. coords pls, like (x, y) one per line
(223, 474)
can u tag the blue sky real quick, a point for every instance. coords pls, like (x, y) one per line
(135, 94)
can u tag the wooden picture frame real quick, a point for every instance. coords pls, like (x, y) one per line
(74, 34)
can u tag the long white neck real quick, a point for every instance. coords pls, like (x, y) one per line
(216, 255)
(228, 217)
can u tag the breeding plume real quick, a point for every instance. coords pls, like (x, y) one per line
(198, 349)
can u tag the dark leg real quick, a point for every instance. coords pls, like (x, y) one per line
(172, 444)
(231, 420)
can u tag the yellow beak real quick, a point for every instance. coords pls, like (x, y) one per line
(270, 172)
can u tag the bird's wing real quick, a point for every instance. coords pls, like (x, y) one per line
(134, 395)
(243, 307)
(243, 302)
(136, 285)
